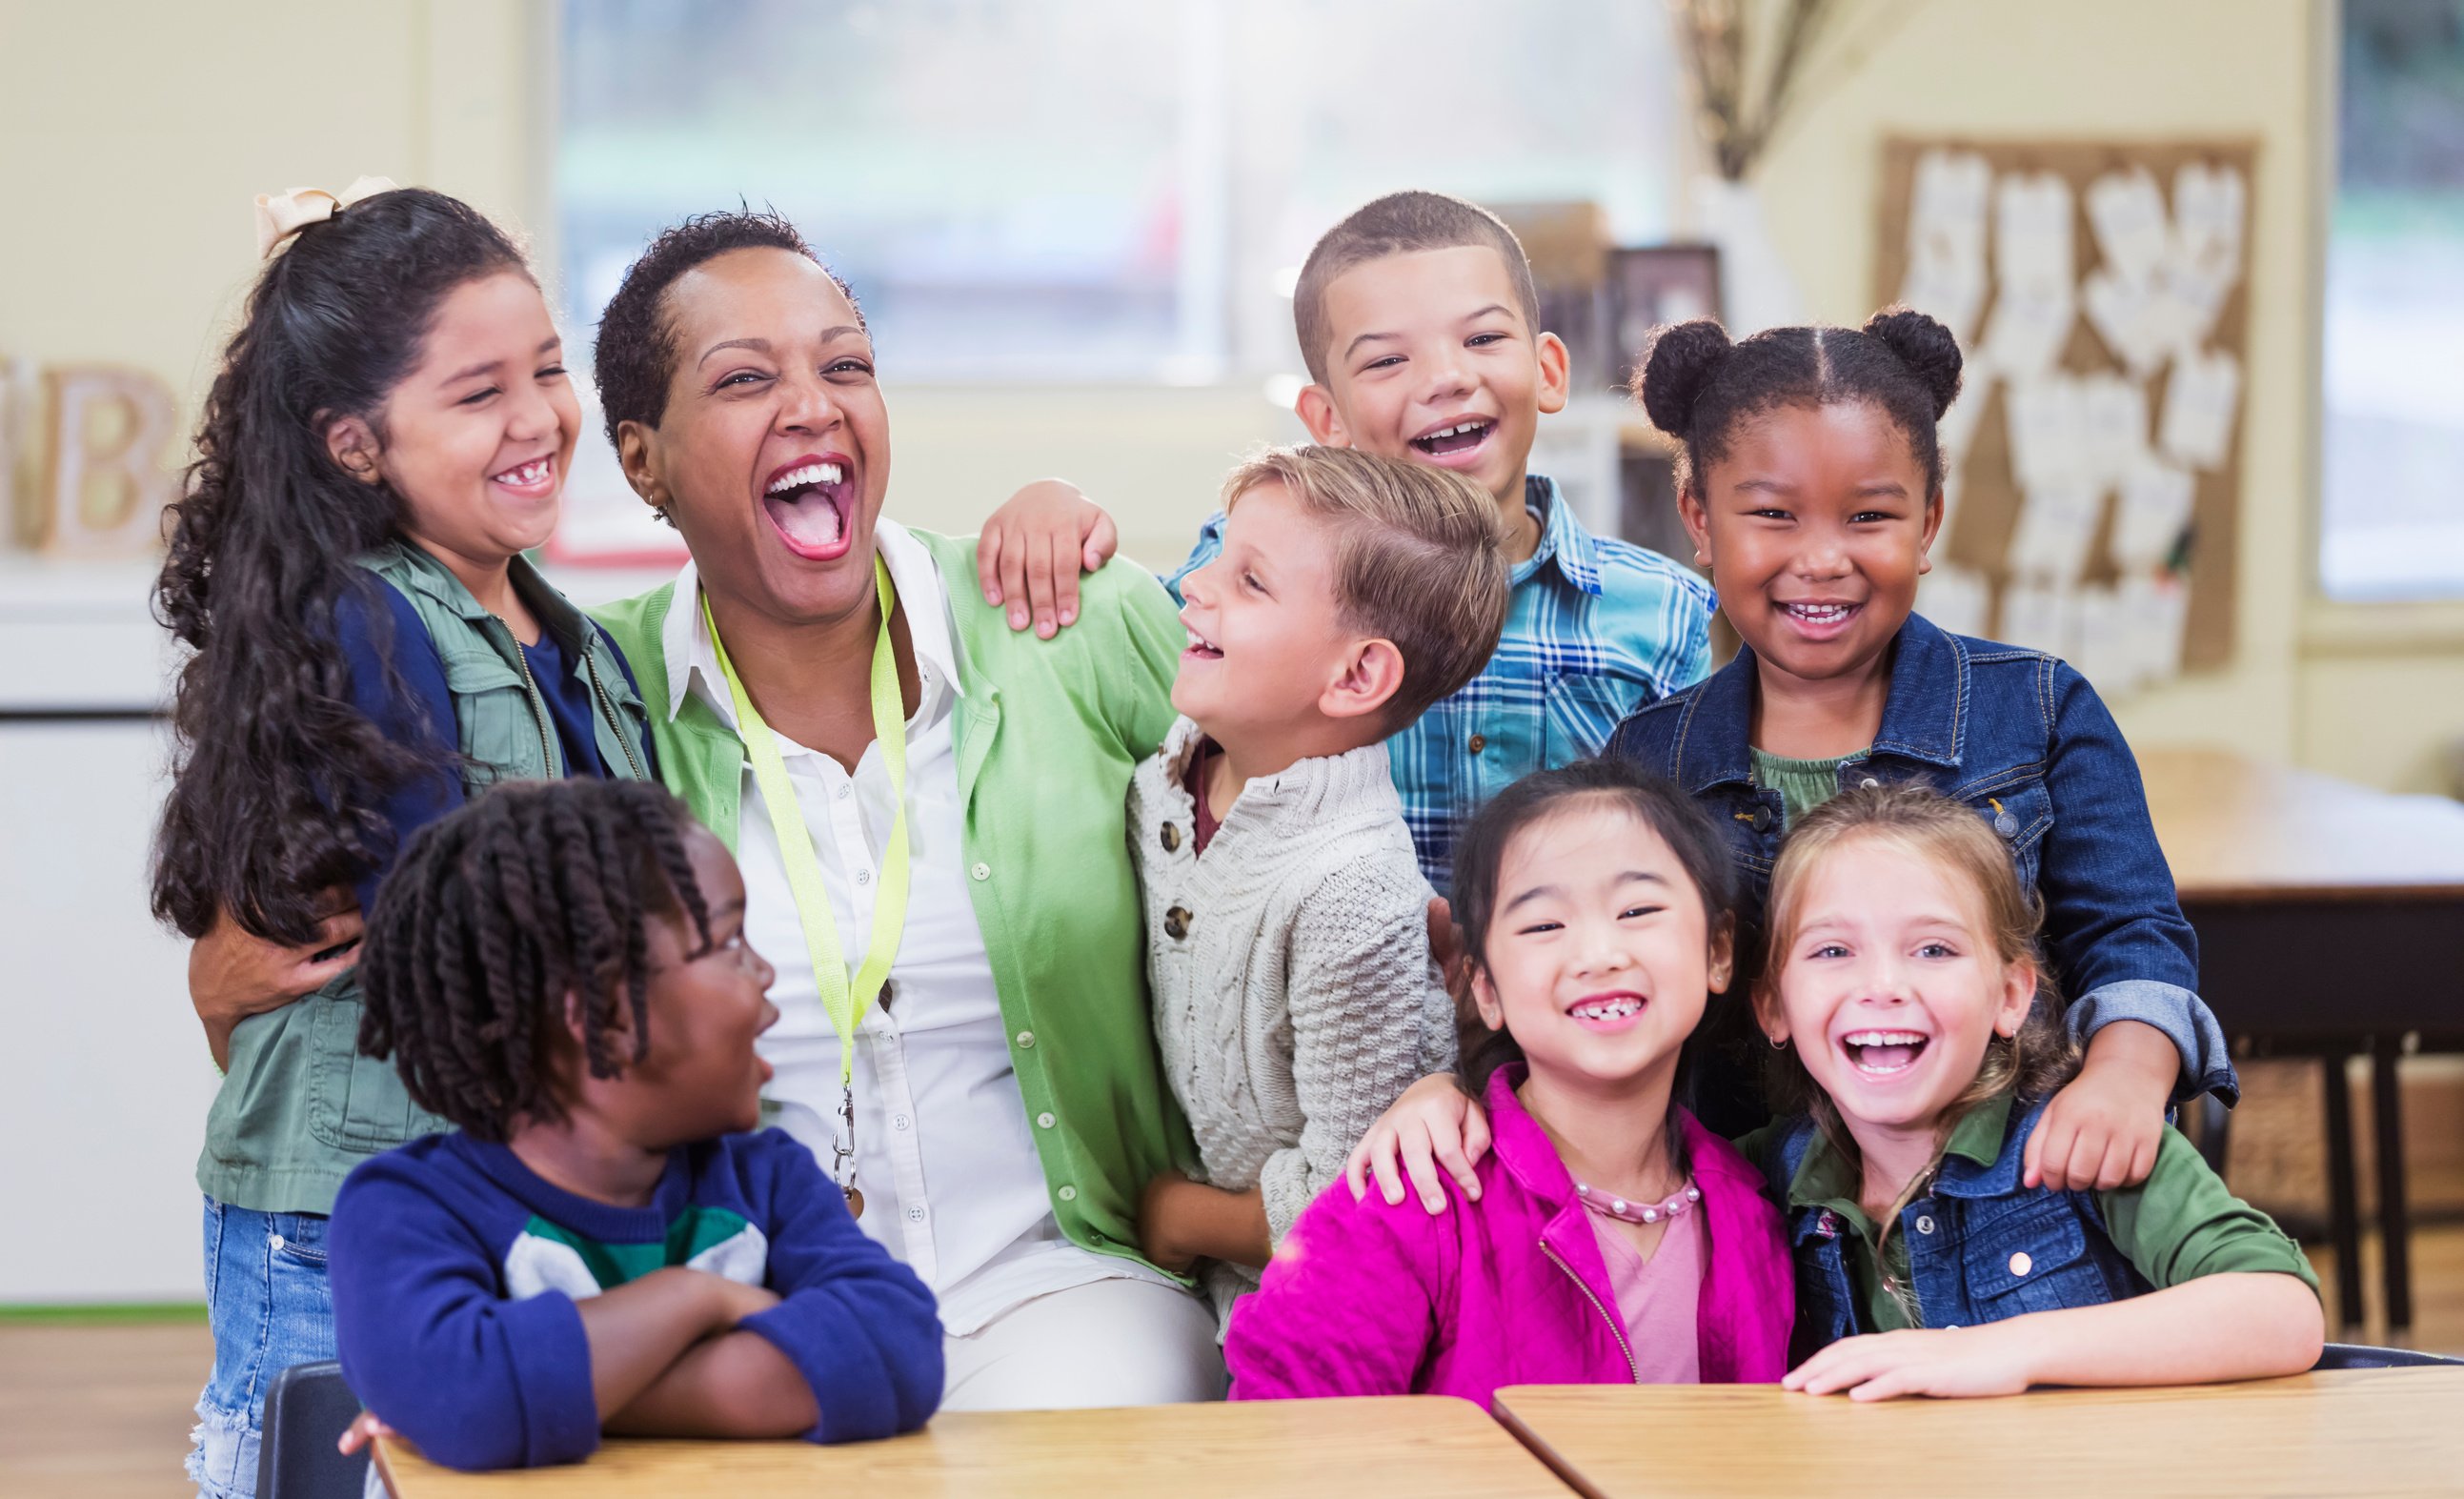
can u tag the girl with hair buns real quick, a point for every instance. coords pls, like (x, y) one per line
(1811, 482)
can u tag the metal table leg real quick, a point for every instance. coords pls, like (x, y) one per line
(2343, 1192)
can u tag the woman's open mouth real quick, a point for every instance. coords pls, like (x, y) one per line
(1883, 1053)
(809, 503)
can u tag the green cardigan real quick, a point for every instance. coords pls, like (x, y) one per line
(1047, 735)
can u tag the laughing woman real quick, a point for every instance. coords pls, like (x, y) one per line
(929, 810)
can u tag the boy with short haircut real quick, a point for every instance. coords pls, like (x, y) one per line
(1287, 942)
(1420, 323)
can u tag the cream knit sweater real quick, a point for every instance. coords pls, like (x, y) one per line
(1294, 998)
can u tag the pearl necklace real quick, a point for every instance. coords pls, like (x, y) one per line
(1618, 1207)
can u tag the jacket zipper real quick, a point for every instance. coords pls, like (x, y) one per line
(608, 706)
(1615, 1330)
(538, 704)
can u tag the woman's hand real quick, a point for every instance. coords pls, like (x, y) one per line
(2102, 1131)
(1032, 548)
(1432, 1126)
(233, 973)
(1996, 1358)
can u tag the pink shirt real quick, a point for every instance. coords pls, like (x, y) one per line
(1657, 1298)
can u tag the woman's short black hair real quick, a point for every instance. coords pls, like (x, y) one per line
(1697, 386)
(499, 910)
(635, 355)
(1480, 860)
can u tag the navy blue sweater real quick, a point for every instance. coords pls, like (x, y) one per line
(455, 1269)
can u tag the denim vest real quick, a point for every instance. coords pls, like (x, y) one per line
(1981, 1247)
(2025, 740)
(301, 1106)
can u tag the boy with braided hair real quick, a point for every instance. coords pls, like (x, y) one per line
(561, 970)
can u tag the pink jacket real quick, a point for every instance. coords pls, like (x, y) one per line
(1367, 1299)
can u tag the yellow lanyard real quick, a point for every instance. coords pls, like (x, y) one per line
(846, 1001)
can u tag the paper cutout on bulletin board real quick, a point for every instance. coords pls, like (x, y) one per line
(2094, 483)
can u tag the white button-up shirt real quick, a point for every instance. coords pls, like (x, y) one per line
(945, 1156)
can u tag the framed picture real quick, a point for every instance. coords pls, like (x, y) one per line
(1653, 285)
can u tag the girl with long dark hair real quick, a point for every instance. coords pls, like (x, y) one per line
(389, 430)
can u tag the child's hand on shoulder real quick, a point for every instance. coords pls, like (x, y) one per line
(1433, 1128)
(2102, 1130)
(1992, 1360)
(1032, 549)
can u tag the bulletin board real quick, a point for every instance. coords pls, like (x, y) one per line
(2099, 292)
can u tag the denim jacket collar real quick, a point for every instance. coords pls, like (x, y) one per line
(1981, 1161)
(555, 612)
(1923, 718)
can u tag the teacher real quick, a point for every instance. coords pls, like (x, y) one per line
(929, 810)
(930, 818)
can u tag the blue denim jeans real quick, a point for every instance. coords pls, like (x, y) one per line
(268, 1300)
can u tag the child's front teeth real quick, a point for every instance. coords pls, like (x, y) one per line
(1607, 1009)
(1819, 613)
(809, 474)
(530, 472)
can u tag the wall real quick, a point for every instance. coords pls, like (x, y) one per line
(2369, 693)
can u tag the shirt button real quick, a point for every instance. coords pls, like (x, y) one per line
(915, 1214)
(1043, 1121)
(1068, 1194)
(981, 871)
(1027, 1040)
(846, 792)
(898, 1121)
(864, 876)
(1479, 742)
(1924, 1225)
(2020, 1264)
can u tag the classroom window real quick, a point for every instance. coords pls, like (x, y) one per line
(2392, 512)
(1093, 191)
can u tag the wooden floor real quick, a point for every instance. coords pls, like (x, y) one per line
(103, 1412)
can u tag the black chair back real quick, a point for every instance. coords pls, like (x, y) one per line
(2362, 1355)
(306, 1411)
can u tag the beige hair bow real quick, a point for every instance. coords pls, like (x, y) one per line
(283, 214)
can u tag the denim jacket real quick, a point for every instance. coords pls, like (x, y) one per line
(2023, 738)
(1981, 1247)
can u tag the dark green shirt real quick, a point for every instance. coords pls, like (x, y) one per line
(1802, 785)
(2180, 1223)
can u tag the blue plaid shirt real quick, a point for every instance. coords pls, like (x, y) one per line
(1594, 629)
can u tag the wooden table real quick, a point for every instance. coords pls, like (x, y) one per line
(2330, 922)
(2375, 1431)
(1422, 1447)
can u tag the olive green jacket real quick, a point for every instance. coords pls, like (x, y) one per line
(299, 1106)
(1046, 734)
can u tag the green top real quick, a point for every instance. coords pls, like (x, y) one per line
(299, 1106)
(1047, 733)
(1802, 785)
(2180, 1223)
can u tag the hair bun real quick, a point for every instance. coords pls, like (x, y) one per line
(1925, 346)
(1679, 362)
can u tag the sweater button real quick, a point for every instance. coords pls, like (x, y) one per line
(1025, 1039)
(1176, 923)
(1068, 1194)
(1045, 1121)
(981, 871)
(1171, 839)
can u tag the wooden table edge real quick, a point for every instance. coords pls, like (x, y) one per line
(1538, 1446)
